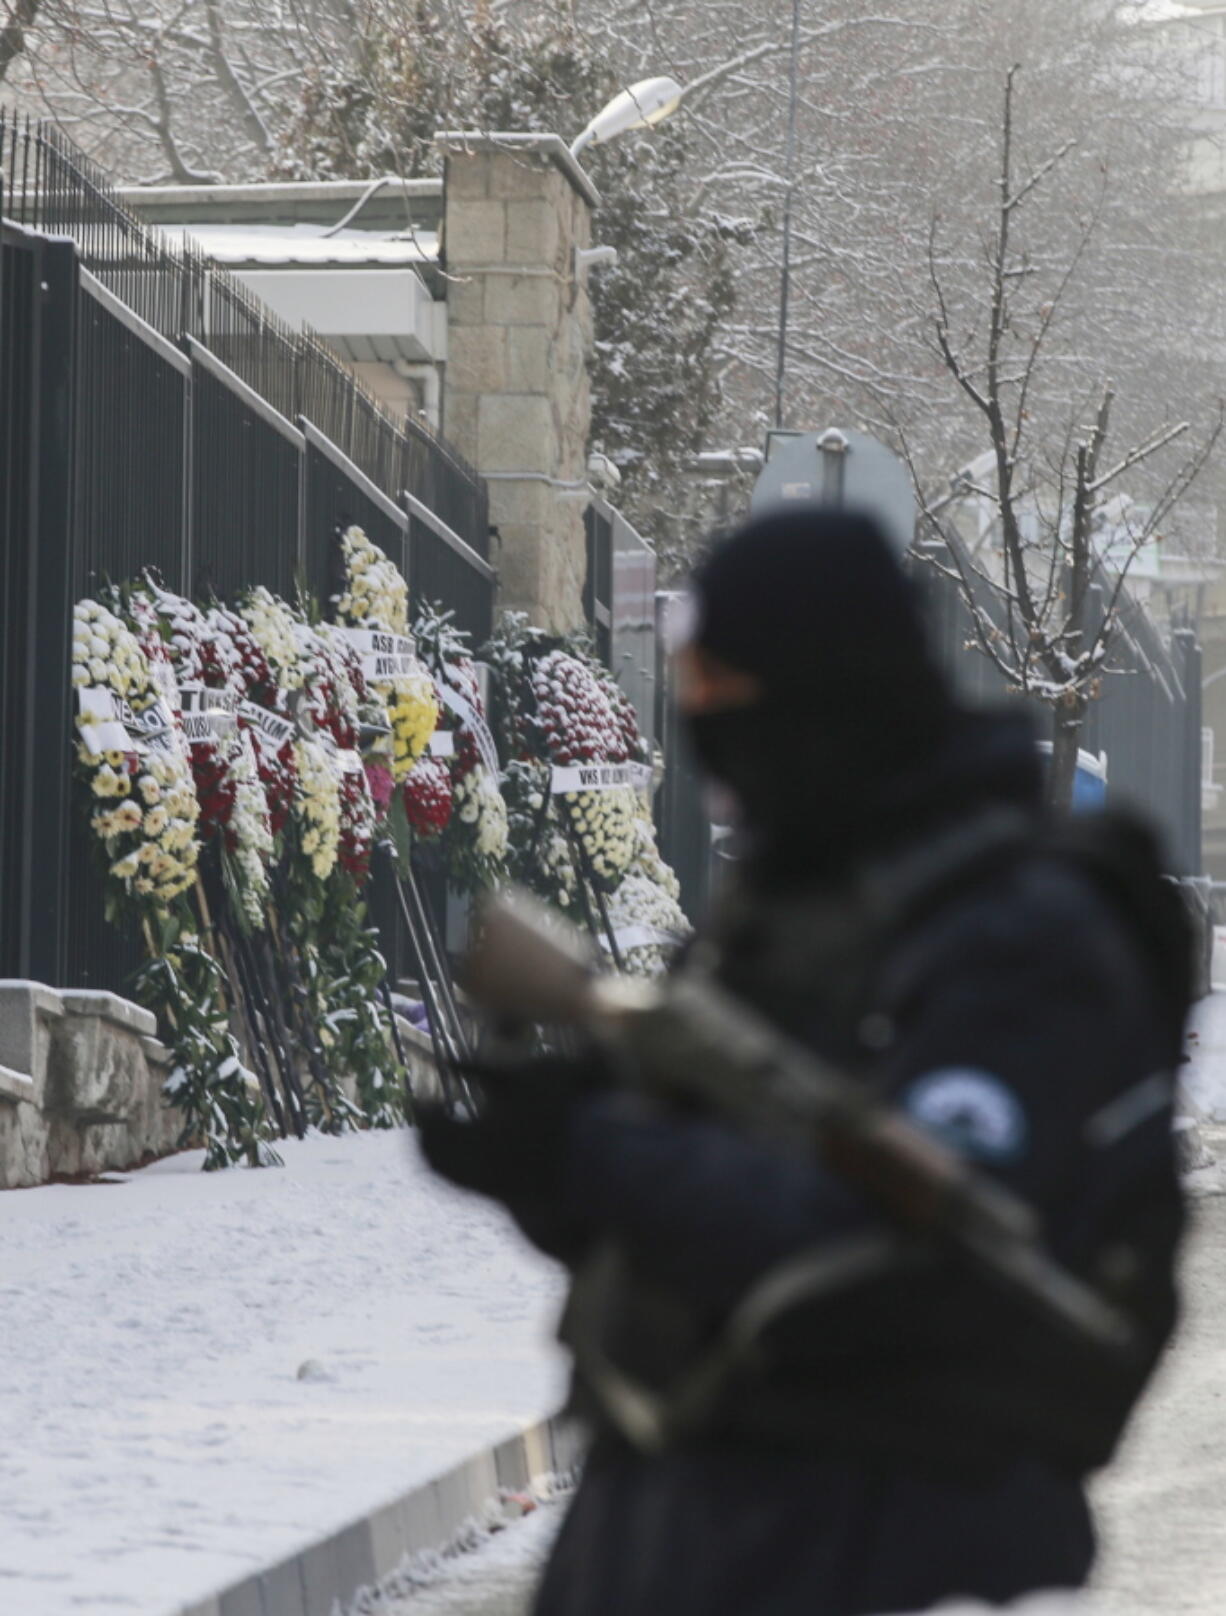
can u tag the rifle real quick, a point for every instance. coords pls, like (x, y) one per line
(687, 1037)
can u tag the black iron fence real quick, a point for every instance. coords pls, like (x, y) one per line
(20, 266)
(127, 442)
(598, 580)
(51, 187)
(338, 496)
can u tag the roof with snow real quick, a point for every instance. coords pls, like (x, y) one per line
(356, 260)
(307, 244)
(386, 222)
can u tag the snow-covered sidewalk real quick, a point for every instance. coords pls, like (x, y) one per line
(201, 1374)
(1204, 1075)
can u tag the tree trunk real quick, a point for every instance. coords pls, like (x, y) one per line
(13, 34)
(1066, 734)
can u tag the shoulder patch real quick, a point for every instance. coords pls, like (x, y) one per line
(970, 1110)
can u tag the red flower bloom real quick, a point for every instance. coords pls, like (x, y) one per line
(427, 796)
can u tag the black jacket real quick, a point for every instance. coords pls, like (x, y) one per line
(1024, 1011)
(1024, 1028)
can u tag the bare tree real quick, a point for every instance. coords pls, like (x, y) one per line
(1044, 590)
(894, 106)
(185, 90)
(19, 18)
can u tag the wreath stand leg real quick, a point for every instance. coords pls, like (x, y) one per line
(441, 964)
(252, 1035)
(240, 1004)
(589, 889)
(261, 957)
(273, 1029)
(385, 991)
(449, 1048)
(288, 980)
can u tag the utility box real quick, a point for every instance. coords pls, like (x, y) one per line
(838, 467)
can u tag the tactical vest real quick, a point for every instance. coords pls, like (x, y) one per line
(879, 1343)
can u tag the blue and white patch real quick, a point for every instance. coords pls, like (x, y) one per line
(971, 1111)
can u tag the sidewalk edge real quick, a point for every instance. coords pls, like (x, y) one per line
(324, 1577)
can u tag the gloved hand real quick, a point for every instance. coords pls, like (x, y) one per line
(515, 1148)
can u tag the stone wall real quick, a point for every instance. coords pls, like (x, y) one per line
(516, 398)
(81, 1077)
(80, 1084)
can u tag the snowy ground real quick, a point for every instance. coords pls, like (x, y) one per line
(204, 1373)
(1160, 1507)
(1204, 1077)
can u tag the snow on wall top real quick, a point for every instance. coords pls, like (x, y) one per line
(308, 244)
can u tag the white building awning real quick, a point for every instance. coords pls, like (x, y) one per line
(365, 313)
(359, 289)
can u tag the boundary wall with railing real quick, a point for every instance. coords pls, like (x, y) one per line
(154, 414)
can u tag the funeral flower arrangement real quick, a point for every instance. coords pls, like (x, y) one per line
(263, 697)
(219, 752)
(317, 807)
(334, 695)
(649, 923)
(374, 599)
(591, 851)
(132, 758)
(476, 828)
(374, 592)
(273, 627)
(427, 797)
(477, 844)
(571, 765)
(580, 724)
(210, 668)
(250, 841)
(143, 806)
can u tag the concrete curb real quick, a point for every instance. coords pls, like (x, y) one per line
(323, 1578)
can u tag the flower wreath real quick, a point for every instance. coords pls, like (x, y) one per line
(375, 596)
(234, 810)
(578, 723)
(554, 711)
(144, 810)
(144, 815)
(476, 835)
(335, 694)
(648, 920)
(274, 758)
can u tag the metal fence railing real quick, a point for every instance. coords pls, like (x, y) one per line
(51, 187)
(19, 280)
(124, 445)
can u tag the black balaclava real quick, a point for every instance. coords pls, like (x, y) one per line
(853, 706)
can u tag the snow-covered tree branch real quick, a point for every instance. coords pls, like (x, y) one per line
(1056, 570)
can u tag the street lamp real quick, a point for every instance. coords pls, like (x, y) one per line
(642, 105)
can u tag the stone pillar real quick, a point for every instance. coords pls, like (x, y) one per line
(516, 396)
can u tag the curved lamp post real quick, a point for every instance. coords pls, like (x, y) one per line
(642, 105)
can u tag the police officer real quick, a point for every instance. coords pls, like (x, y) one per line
(852, 1433)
